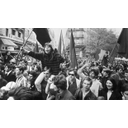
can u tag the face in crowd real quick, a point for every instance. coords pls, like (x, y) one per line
(109, 85)
(92, 74)
(125, 95)
(120, 71)
(126, 76)
(18, 72)
(47, 75)
(87, 84)
(48, 49)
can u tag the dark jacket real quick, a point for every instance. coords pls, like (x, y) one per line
(52, 61)
(66, 95)
(115, 95)
(89, 96)
(10, 77)
(3, 82)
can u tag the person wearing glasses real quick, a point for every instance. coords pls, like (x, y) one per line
(72, 82)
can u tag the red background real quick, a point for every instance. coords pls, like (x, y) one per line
(63, 14)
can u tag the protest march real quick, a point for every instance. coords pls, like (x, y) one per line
(53, 74)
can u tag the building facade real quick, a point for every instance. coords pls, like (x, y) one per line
(80, 39)
(11, 39)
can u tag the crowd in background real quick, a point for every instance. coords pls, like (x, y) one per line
(50, 77)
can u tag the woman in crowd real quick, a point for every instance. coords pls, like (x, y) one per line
(110, 92)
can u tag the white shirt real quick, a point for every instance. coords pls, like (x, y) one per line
(96, 87)
(109, 93)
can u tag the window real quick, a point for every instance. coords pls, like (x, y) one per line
(13, 31)
(6, 32)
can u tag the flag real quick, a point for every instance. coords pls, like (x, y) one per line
(73, 58)
(114, 53)
(123, 43)
(61, 46)
(42, 35)
(36, 49)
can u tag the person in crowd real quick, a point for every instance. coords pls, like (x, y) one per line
(110, 93)
(8, 57)
(49, 58)
(21, 81)
(10, 73)
(72, 82)
(23, 93)
(31, 80)
(106, 73)
(64, 94)
(41, 82)
(96, 84)
(119, 75)
(51, 89)
(125, 92)
(3, 82)
(85, 92)
(105, 59)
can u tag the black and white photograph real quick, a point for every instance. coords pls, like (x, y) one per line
(63, 64)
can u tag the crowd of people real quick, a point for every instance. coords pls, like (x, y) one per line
(52, 78)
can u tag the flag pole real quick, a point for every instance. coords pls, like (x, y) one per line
(24, 42)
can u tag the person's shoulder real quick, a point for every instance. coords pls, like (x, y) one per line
(93, 96)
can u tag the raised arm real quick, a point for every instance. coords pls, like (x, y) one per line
(38, 56)
(80, 71)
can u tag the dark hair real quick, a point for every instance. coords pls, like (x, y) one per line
(96, 72)
(23, 93)
(61, 82)
(21, 68)
(48, 44)
(114, 83)
(88, 79)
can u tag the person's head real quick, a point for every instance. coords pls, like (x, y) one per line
(61, 82)
(126, 75)
(120, 69)
(111, 84)
(47, 74)
(32, 75)
(19, 70)
(48, 48)
(71, 73)
(93, 73)
(9, 67)
(106, 72)
(87, 83)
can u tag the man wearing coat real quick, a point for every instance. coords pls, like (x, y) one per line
(85, 93)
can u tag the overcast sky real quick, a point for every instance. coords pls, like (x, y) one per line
(58, 30)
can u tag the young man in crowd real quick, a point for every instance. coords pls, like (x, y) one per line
(72, 82)
(63, 94)
(9, 73)
(21, 81)
(85, 92)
